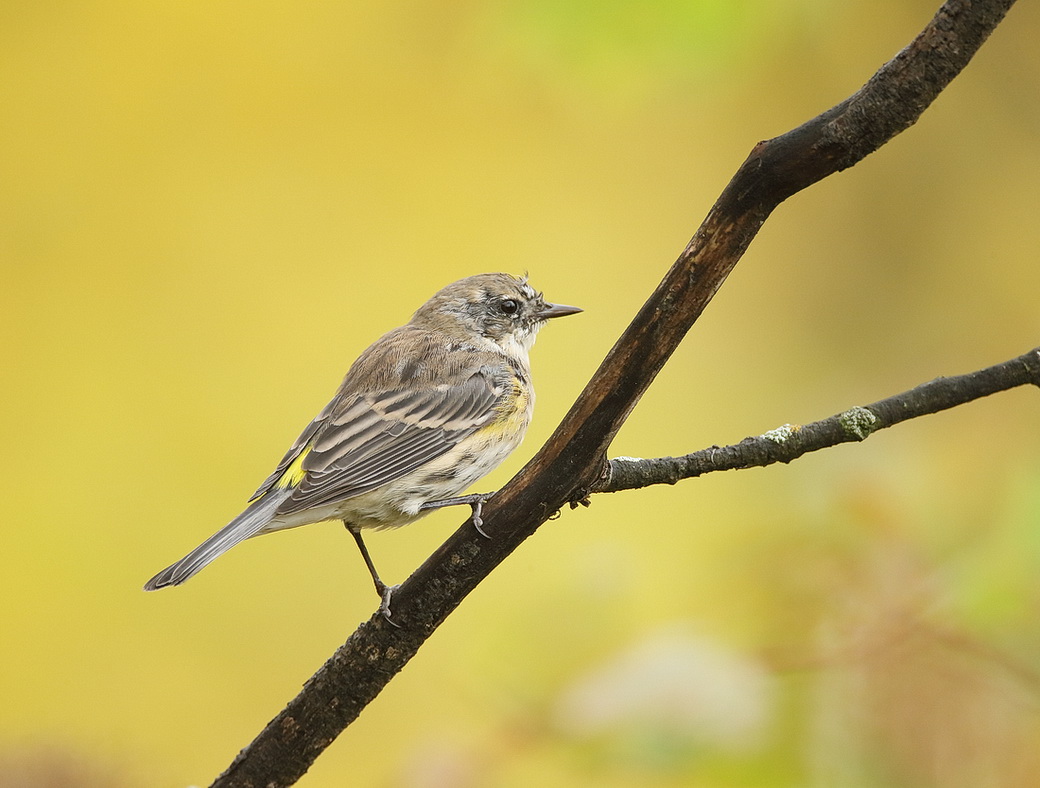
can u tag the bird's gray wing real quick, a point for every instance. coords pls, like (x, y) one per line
(294, 452)
(373, 438)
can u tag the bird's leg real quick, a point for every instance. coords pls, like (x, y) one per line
(475, 501)
(384, 591)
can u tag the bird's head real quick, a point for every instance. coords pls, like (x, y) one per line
(500, 308)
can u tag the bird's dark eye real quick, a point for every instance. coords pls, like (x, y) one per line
(509, 306)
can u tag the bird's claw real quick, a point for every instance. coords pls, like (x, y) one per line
(478, 507)
(384, 606)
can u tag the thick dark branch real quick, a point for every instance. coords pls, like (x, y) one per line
(574, 458)
(791, 441)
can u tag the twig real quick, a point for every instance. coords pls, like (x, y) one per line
(791, 441)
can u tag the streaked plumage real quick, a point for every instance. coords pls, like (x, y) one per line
(426, 411)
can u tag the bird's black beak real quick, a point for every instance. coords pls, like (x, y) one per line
(557, 310)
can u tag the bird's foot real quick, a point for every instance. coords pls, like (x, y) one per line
(385, 592)
(475, 501)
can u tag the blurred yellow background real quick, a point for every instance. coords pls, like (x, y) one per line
(208, 210)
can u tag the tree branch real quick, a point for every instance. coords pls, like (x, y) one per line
(791, 441)
(573, 459)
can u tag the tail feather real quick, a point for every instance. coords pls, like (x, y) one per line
(247, 524)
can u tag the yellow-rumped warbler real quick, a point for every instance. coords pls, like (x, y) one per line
(423, 413)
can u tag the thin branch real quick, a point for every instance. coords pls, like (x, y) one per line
(574, 458)
(791, 441)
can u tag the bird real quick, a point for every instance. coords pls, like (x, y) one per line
(422, 414)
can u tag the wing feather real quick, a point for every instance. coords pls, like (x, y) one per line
(376, 437)
(295, 450)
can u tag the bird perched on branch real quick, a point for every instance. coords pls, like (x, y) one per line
(426, 411)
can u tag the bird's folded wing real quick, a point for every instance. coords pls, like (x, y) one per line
(376, 437)
(280, 473)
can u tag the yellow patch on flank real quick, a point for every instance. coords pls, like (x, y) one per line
(294, 473)
(512, 417)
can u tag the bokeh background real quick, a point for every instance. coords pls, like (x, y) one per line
(208, 210)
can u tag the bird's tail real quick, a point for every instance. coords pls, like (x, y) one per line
(247, 524)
